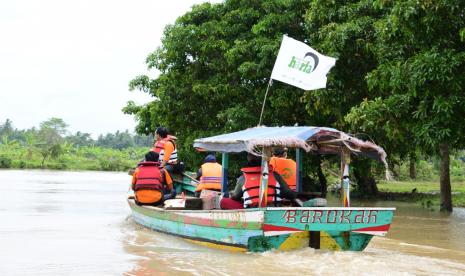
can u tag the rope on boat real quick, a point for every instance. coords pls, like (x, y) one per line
(270, 83)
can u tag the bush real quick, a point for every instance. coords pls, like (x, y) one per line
(114, 163)
(5, 162)
(21, 164)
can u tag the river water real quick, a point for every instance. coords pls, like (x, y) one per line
(78, 223)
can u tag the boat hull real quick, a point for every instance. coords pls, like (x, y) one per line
(258, 230)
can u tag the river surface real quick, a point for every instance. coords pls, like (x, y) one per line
(78, 223)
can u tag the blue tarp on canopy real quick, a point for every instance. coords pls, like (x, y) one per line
(244, 140)
(321, 140)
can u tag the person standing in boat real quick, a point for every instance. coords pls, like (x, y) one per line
(150, 183)
(210, 175)
(246, 194)
(166, 149)
(286, 167)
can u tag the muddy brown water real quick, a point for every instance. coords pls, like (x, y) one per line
(78, 223)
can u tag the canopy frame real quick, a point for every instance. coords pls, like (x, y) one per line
(320, 140)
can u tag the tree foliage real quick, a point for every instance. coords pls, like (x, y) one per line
(215, 62)
(50, 138)
(6, 129)
(419, 79)
(346, 30)
(421, 72)
(412, 89)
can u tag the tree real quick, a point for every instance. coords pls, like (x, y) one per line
(8, 142)
(346, 30)
(50, 138)
(420, 77)
(57, 125)
(118, 140)
(6, 129)
(80, 139)
(215, 62)
(143, 140)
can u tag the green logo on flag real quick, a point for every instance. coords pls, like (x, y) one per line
(307, 64)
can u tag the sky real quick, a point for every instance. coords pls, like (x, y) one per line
(74, 59)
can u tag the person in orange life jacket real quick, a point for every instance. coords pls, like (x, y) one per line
(246, 192)
(166, 148)
(150, 183)
(286, 168)
(210, 175)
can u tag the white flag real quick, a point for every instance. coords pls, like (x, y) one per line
(299, 65)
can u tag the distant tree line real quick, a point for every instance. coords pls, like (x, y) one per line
(117, 140)
(32, 148)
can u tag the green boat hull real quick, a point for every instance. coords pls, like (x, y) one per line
(259, 230)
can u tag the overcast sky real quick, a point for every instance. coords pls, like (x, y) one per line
(74, 59)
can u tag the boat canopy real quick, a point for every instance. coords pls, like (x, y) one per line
(320, 140)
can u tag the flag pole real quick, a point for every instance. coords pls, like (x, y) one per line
(270, 83)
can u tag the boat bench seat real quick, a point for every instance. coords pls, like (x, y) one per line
(189, 203)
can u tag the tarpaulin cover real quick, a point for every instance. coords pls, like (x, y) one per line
(320, 140)
(246, 140)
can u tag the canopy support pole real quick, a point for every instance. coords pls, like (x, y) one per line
(264, 178)
(298, 157)
(224, 180)
(345, 182)
(270, 83)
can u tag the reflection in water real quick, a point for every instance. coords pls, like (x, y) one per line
(78, 223)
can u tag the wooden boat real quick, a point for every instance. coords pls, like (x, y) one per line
(283, 228)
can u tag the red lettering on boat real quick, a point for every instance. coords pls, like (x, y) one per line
(289, 215)
(317, 216)
(372, 215)
(359, 217)
(345, 216)
(304, 217)
(329, 215)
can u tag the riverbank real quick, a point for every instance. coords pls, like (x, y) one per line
(425, 193)
(80, 158)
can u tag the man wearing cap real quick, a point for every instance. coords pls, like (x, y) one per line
(166, 149)
(210, 175)
(285, 167)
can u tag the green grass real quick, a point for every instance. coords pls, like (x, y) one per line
(427, 193)
(421, 186)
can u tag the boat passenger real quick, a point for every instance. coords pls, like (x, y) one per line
(286, 167)
(210, 175)
(166, 149)
(152, 184)
(246, 192)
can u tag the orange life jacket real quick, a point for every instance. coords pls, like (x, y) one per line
(211, 177)
(159, 148)
(149, 177)
(287, 169)
(251, 187)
